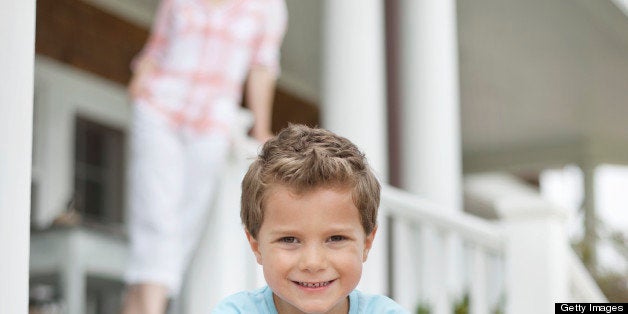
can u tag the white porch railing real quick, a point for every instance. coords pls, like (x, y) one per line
(422, 247)
(518, 263)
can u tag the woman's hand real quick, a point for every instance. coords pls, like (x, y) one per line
(137, 86)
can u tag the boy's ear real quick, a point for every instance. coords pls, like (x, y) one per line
(254, 247)
(368, 243)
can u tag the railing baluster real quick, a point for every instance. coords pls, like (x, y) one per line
(405, 271)
(479, 283)
(433, 269)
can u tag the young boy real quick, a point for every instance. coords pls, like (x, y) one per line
(309, 206)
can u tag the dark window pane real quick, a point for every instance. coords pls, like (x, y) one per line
(99, 171)
(95, 146)
(94, 200)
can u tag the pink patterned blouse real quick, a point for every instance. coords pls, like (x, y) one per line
(204, 53)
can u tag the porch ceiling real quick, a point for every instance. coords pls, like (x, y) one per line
(542, 72)
(533, 74)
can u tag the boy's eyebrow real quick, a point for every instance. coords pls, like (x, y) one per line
(329, 229)
(282, 231)
(340, 229)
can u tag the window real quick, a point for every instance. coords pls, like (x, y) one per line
(103, 296)
(99, 172)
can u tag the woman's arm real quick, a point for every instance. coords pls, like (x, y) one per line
(260, 94)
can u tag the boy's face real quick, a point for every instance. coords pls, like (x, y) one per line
(311, 247)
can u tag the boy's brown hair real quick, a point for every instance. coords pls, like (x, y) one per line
(304, 158)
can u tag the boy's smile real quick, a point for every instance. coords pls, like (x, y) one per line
(311, 246)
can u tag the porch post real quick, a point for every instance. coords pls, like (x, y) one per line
(431, 155)
(430, 132)
(17, 35)
(536, 256)
(353, 102)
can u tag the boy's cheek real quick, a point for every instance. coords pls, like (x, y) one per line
(282, 259)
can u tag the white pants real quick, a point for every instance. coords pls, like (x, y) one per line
(172, 178)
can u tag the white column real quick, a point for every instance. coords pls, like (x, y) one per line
(354, 97)
(431, 157)
(430, 143)
(17, 35)
(536, 258)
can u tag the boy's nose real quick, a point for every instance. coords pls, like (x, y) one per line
(313, 259)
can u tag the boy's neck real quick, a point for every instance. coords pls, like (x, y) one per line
(284, 308)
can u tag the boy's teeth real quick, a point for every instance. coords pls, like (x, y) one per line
(315, 284)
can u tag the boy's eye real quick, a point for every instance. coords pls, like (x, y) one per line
(336, 238)
(288, 240)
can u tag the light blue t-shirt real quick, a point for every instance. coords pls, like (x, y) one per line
(260, 301)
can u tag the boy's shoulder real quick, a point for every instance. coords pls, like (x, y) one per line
(373, 303)
(255, 301)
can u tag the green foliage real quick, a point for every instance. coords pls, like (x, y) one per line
(462, 306)
(423, 309)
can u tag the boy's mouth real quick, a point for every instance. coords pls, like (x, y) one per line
(313, 284)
